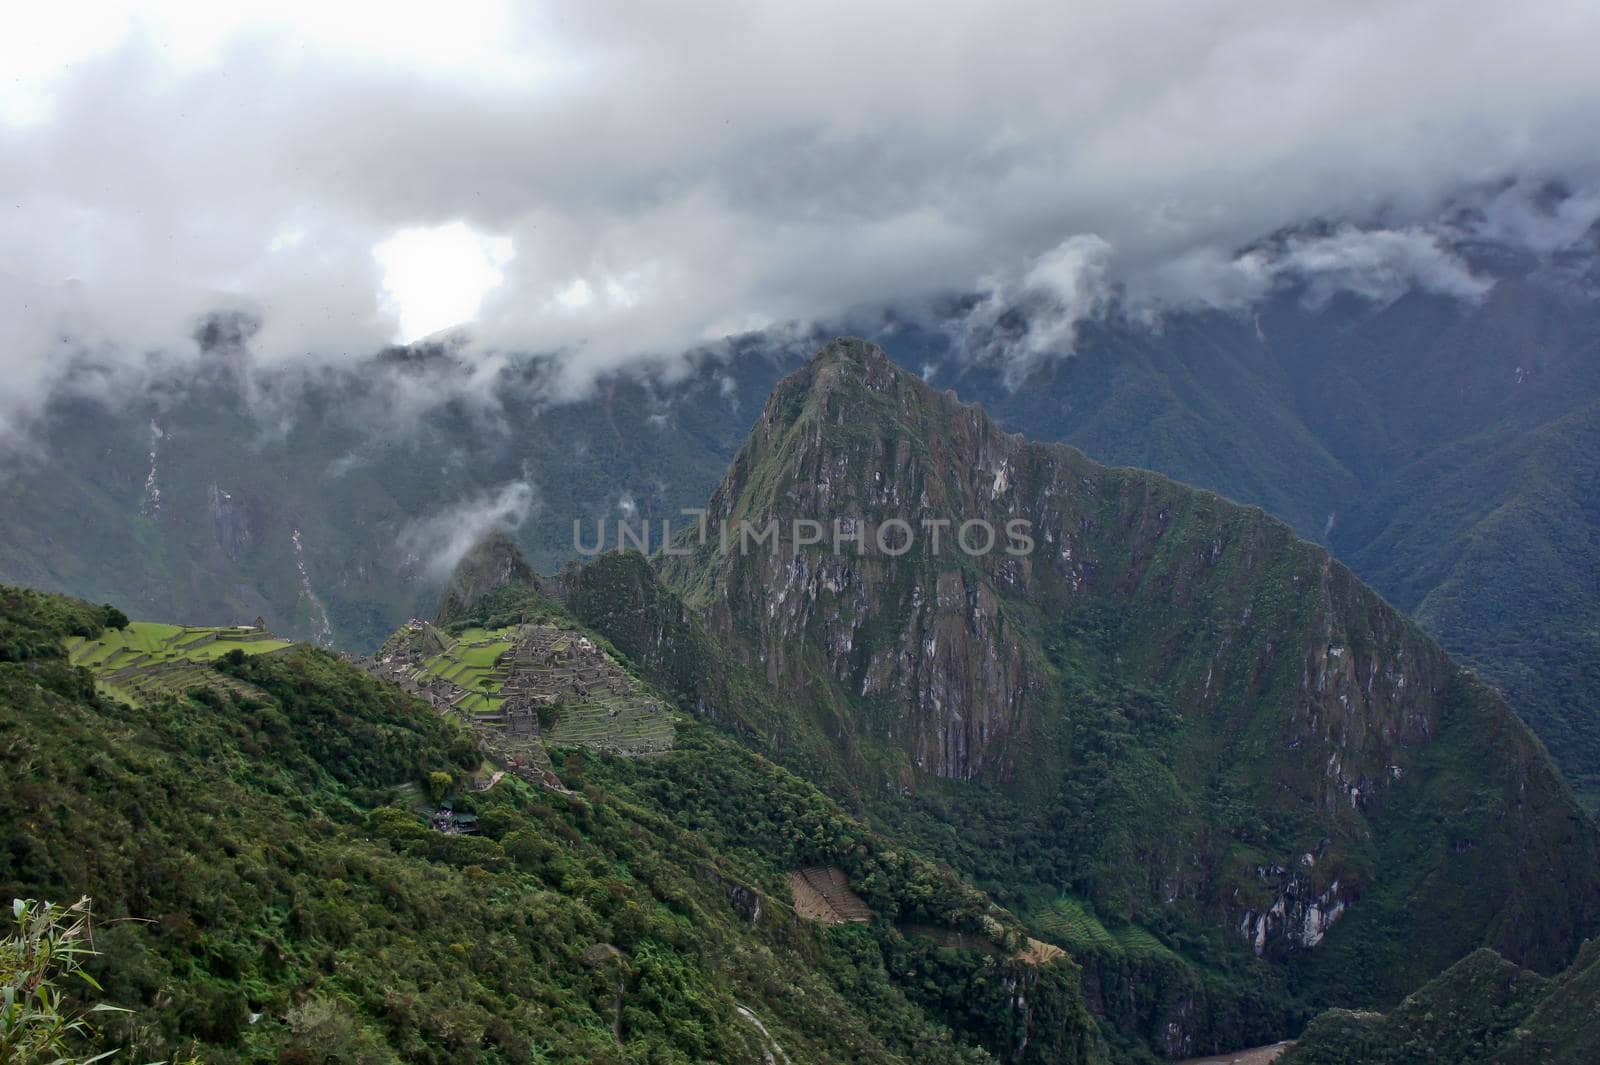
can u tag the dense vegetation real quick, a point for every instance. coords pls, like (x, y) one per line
(41, 963)
(267, 889)
(1482, 1011)
(34, 625)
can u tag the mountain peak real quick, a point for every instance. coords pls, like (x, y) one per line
(852, 350)
(842, 428)
(492, 577)
(843, 363)
(1030, 600)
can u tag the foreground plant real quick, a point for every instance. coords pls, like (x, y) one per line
(42, 956)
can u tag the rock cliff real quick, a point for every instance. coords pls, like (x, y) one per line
(1224, 720)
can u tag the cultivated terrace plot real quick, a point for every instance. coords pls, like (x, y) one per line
(148, 660)
(822, 893)
(525, 687)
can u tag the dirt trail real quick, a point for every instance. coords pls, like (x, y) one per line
(1253, 1056)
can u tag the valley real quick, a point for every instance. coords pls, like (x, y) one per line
(541, 532)
(1256, 1056)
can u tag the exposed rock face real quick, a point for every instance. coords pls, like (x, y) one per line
(1286, 680)
(1296, 915)
(745, 900)
(494, 572)
(232, 523)
(937, 633)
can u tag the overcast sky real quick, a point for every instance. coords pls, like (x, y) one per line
(615, 179)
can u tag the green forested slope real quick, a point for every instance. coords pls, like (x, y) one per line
(1444, 450)
(1512, 585)
(265, 890)
(1482, 1011)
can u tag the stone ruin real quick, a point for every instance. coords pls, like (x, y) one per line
(563, 674)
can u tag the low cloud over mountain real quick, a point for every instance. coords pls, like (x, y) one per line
(609, 183)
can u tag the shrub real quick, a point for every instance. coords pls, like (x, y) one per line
(45, 952)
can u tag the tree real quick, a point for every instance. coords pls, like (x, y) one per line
(115, 619)
(44, 953)
(438, 785)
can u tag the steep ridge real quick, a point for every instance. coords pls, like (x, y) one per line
(1442, 448)
(1203, 717)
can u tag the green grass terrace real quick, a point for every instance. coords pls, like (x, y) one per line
(149, 659)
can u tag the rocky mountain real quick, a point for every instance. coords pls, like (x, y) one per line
(1444, 449)
(1192, 712)
(491, 578)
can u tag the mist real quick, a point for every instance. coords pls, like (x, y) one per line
(437, 541)
(611, 186)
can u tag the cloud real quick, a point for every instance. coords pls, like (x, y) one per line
(436, 277)
(437, 542)
(639, 181)
(1379, 265)
(1019, 320)
(1522, 214)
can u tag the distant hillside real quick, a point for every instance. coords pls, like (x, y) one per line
(1482, 1011)
(1448, 452)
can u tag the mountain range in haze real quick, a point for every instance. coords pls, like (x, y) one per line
(1436, 439)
